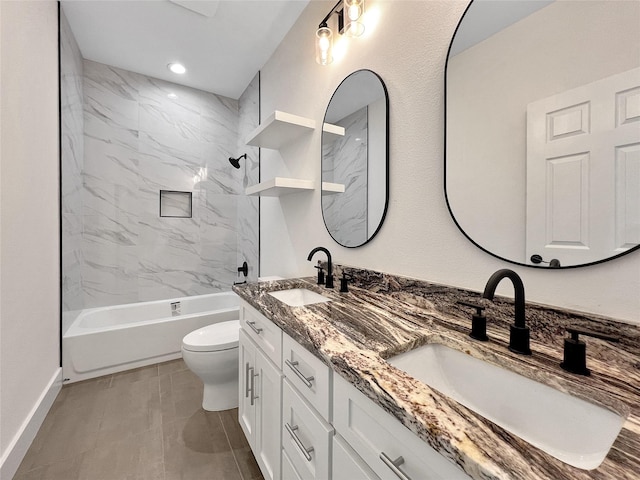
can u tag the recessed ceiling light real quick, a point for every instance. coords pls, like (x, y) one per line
(172, 96)
(177, 68)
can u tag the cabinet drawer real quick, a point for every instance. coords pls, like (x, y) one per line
(288, 470)
(308, 374)
(306, 438)
(381, 440)
(347, 464)
(266, 334)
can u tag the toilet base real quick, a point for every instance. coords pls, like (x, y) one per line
(219, 397)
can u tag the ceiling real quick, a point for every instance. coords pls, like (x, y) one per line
(222, 43)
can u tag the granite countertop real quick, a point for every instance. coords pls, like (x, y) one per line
(384, 315)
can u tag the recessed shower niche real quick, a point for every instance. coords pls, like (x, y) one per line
(176, 204)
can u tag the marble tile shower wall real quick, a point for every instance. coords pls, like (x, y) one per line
(72, 151)
(143, 135)
(345, 162)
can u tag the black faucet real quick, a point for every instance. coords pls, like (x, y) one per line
(519, 334)
(329, 282)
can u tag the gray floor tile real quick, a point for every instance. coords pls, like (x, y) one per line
(172, 367)
(135, 457)
(196, 448)
(145, 424)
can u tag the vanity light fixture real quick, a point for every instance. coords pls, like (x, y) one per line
(353, 27)
(177, 68)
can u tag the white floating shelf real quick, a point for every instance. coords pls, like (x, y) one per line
(331, 132)
(329, 188)
(280, 129)
(278, 186)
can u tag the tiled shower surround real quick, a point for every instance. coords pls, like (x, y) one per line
(141, 135)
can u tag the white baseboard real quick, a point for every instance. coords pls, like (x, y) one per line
(17, 449)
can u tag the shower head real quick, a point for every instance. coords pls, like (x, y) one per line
(236, 161)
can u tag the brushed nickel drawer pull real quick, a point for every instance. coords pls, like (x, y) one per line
(253, 386)
(254, 328)
(294, 366)
(247, 389)
(305, 451)
(394, 465)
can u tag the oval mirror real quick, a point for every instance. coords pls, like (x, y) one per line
(355, 159)
(542, 163)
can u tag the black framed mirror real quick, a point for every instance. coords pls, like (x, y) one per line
(542, 156)
(355, 159)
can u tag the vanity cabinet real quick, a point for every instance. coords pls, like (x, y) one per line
(304, 422)
(260, 391)
(386, 446)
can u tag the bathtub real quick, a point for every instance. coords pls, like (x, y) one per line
(107, 340)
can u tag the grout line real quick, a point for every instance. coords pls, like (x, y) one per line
(162, 425)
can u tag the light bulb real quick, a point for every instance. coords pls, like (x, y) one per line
(354, 12)
(353, 18)
(324, 45)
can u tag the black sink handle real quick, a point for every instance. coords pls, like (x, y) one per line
(479, 308)
(577, 331)
(575, 350)
(478, 322)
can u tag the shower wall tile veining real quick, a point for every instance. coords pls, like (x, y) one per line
(142, 135)
(72, 151)
(345, 162)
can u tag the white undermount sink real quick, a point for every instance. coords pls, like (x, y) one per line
(299, 297)
(568, 428)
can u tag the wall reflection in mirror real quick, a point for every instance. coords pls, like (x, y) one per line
(355, 159)
(543, 130)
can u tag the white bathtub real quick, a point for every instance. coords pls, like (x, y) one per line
(106, 340)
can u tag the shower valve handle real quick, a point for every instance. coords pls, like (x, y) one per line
(244, 269)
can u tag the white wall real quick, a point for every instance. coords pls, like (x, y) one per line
(407, 47)
(29, 234)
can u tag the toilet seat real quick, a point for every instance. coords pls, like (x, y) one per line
(213, 338)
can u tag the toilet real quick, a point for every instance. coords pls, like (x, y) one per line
(211, 353)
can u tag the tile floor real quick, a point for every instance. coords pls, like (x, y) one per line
(144, 424)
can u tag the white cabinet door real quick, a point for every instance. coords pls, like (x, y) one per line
(268, 384)
(246, 400)
(583, 171)
(260, 406)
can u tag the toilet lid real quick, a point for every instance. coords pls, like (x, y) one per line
(219, 336)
